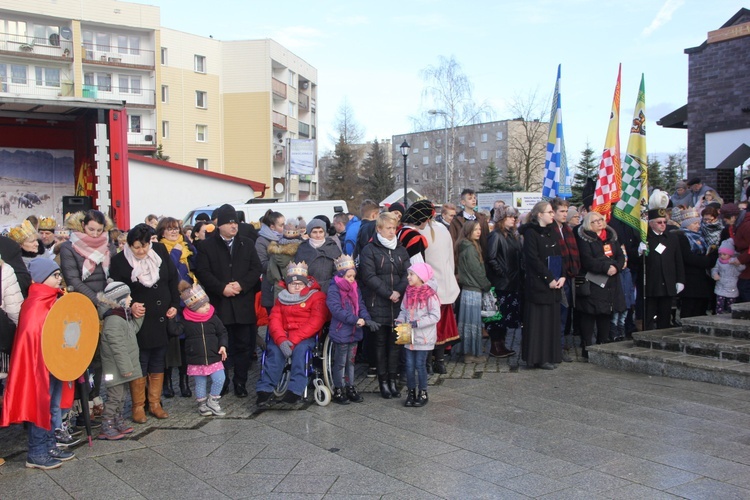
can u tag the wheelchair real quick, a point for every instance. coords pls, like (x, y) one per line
(318, 366)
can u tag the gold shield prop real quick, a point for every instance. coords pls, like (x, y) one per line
(69, 336)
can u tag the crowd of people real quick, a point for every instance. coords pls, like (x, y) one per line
(402, 289)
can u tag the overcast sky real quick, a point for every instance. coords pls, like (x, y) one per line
(371, 54)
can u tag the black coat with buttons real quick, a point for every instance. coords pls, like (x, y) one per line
(157, 299)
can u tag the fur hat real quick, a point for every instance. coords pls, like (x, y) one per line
(225, 214)
(689, 216)
(316, 223)
(296, 271)
(423, 270)
(419, 212)
(74, 222)
(117, 292)
(193, 296)
(657, 204)
(47, 224)
(42, 268)
(504, 212)
(21, 233)
(344, 263)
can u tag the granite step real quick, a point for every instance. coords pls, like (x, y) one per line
(627, 356)
(741, 311)
(720, 325)
(696, 344)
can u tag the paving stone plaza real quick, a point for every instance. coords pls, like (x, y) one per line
(580, 431)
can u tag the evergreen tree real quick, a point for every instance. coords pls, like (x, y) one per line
(510, 182)
(380, 183)
(655, 180)
(491, 180)
(342, 181)
(159, 154)
(673, 172)
(586, 168)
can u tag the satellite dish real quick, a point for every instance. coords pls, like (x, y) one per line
(279, 188)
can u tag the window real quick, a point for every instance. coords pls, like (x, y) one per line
(415, 150)
(102, 42)
(43, 35)
(135, 45)
(129, 84)
(164, 54)
(484, 137)
(439, 142)
(483, 155)
(425, 160)
(201, 99)
(47, 77)
(18, 73)
(292, 79)
(201, 133)
(292, 110)
(426, 145)
(201, 163)
(499, 153)
(439, 159)
(128, 44)
(462, 140)
(135, 124)
(472, 161)
(104, 82)
(17, 30)
(461, 157)
(88, 79)
(3, 77)
(460, 174)
(165, 129)
(200, 63)
(499, 136)
(165, 93)
(472, 144)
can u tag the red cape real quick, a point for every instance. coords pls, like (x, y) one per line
(27, 388)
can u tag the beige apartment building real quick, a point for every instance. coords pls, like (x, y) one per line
(225, 106)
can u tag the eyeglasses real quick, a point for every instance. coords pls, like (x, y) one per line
(659, 222)
(593, 221)
(172, 229)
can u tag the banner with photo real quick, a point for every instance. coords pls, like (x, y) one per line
(302, 156)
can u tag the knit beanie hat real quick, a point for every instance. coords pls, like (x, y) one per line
(727, 247)
(572, 212)
(225, 214)
(117, 292)
(397, 207)
(423, 270)
(42, 268)
(296, 271)
(301, 225)
(194, 296)
(729, 210)
(316, 223)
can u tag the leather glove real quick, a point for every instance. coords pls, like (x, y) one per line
(680, 287)
(286, 348)
(372, 325)
(413, 323)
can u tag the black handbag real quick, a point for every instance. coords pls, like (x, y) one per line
(582, 286)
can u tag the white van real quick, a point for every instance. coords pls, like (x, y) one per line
(292, 209)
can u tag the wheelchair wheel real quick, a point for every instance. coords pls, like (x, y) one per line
(283, 384)
(322, 395)
(328, 363)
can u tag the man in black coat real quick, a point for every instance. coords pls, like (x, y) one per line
(665, 272)
(228, 268)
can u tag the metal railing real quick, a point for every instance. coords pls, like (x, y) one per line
(128, 94)
(143, 137)
(31, 89)
(304, 101)
(278, 88)
(52, 46)
(115, 54)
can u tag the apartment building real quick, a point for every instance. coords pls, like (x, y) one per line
(230, 107)
(462, 155)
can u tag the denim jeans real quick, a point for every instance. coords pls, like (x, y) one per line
(217, 382)
(416, 360)
(55, 395)
(343, 364)
(274, 366)
(41, 441)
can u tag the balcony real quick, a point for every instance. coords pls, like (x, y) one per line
(142, 138)
(303, 101)
(140, 98)
(304, 129)
(279, 153)
(278, 88)
(279, 120)
(39, 48)
(31, 88)
(112, 55)
(312, 104)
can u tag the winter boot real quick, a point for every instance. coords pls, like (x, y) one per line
(109, 431)
(213, 406)
(411, 396)
(439, 366)
(421, 399)
(168, 391)
(353, 395)
(138, 395)
(339, 396)
(203, 408)
(155, 382)
(385, 391)
(393, 385)
(122, 426)
(185, 391)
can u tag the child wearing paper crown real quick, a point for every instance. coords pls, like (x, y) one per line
(421, 310)
(726, 272)
(119, 351)
(206, 341)
(349, 315)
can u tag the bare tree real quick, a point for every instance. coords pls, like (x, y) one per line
(527, 139)
(346, 126)
(448, 96)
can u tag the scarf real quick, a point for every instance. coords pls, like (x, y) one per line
(711, 232)
(145, 270)
(418, 296)
(349, 293)
(291, 299)
(197, 317)
(269, 233)
(94, 251)
(316, 243)
(185, 250)
(603, 235)
(389, 244)
(697, 243)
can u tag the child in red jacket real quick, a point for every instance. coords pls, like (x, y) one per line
(299, 313)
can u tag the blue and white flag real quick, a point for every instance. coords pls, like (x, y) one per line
(556, 180)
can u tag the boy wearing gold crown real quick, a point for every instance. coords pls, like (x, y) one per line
(349, 315)
(299, 313)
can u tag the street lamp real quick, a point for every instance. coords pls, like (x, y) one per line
(405, 152)
(445, 128)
